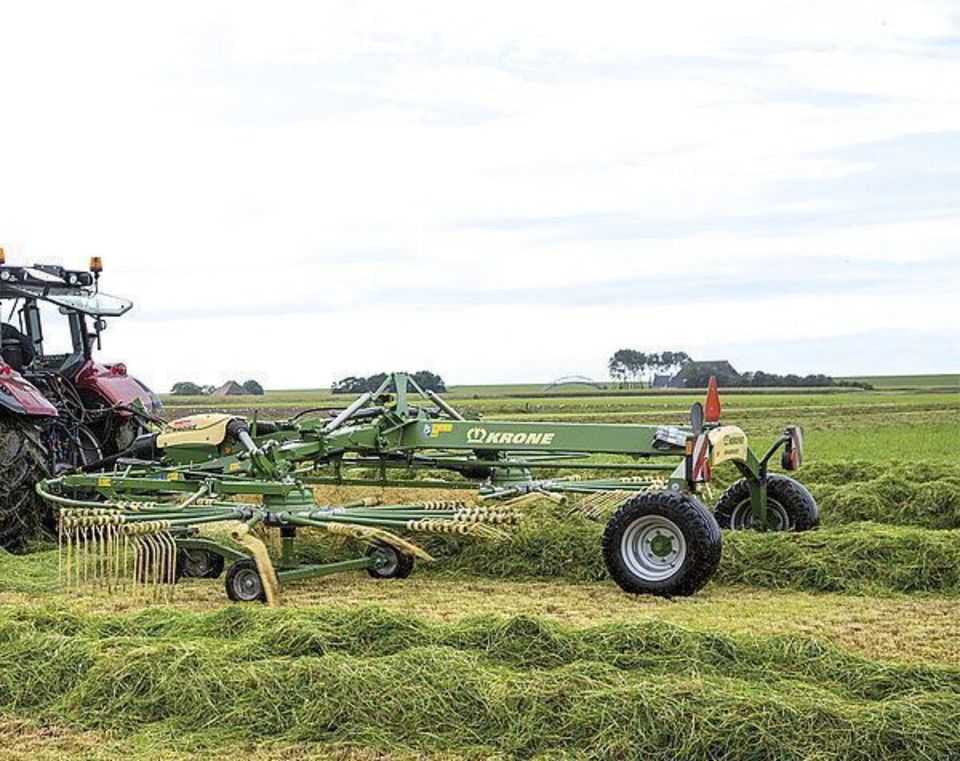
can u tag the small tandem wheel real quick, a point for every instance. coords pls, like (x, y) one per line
(389, 562)
(244, 584)
(790, 507)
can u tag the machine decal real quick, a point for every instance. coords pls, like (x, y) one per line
(480, 435)
(437, 428)
(727, 443)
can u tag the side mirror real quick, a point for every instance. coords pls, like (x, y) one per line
(792, 456)
(696, 418)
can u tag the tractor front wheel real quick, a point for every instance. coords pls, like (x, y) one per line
(661, 543)
(790, 507)
(389, 562)
(23, 515)
(243, 582)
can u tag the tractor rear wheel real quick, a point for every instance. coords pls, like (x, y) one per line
(790, 507)
(661, 543)
(24, 517)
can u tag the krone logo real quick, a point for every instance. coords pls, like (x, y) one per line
(480, 435)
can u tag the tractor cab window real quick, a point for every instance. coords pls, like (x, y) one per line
(57, 335)
(88, 302)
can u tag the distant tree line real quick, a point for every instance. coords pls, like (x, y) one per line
(630, 365)
(357, 384)
(698, 377)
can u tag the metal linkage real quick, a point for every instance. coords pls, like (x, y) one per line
(141, 543)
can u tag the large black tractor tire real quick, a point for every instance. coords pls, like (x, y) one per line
(790, 507)
(662, 543)
(24, 517)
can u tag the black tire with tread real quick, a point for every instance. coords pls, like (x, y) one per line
(400, 567)
(199, 563)
(699, 529)
(797, 502)
(24, 517)
(231, 581)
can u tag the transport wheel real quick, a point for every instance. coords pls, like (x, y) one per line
(389, 562)
(243, 582)
(23, 515)
(661, 543)
(790, 507)
(199, 564)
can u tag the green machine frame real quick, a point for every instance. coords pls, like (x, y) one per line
(384, 439)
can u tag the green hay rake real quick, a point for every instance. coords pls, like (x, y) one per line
(159, 510)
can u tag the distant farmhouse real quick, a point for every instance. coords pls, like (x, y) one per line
(230, 388)
(694, 374)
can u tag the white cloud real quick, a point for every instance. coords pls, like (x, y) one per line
(363, 174)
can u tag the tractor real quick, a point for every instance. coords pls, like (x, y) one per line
(60, 409)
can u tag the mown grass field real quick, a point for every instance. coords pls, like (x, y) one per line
(838, 643)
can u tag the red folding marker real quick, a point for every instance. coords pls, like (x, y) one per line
(712, 407)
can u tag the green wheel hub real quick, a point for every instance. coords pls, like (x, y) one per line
(661, 545)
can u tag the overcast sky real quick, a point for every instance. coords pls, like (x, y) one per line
(497, 191)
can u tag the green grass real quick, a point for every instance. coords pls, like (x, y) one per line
(514, 686)
(909, 443)
(856, 558)
(566, 666)
(910, 381)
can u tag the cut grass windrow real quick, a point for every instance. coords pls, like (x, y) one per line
(521, 686)
(922, 493)
(911, 494)
(856, 558)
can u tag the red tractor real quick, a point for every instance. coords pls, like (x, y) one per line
(60, 409)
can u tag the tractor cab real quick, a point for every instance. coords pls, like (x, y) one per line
(51, 321)
(52, 317)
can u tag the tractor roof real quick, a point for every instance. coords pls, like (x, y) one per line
(72, 289)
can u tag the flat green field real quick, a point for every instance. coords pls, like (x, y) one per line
(910, 381)
(841, 643)
(840, 423)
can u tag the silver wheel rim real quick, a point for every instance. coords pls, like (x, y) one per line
(777, 516)
(385, 561)
(247, 584)
(653, 548)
